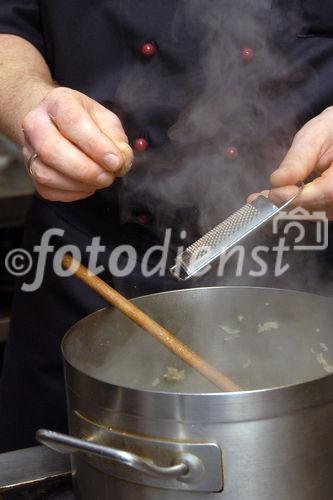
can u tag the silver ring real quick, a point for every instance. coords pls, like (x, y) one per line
(30, 163)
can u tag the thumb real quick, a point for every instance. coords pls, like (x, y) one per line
(112, 127)
(128, 155)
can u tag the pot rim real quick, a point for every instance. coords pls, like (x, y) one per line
(221, 406)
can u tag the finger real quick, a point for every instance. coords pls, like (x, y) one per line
(60, 195)
(60, 154)
(280, 196)
(315, 196)
(111, 126)
(107, 121)
(75, 123)
(254, 196)
(128, 156)
(318, 194)
(329, 215)
(300, 160)
(46, 176)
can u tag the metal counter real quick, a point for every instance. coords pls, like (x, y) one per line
(35, 473)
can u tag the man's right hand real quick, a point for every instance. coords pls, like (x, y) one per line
(81, 146)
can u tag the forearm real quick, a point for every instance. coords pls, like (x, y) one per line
(25, 80)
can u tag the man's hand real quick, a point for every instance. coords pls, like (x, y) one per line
(311, 152)
(81, 146)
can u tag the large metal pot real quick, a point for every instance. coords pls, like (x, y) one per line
(143, 436)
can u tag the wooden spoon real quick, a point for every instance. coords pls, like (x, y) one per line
(150, 326)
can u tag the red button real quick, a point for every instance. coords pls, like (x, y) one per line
(231, 153)
(148, 49)
(143, 219)
(141, 144)
(247, 54)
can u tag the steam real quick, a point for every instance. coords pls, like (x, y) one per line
(224, 102)
(189, 182)
(270, 346)
(210, 99)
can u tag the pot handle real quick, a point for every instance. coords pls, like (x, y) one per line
(188, 469)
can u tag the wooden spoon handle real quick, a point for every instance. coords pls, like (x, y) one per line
(149, 325)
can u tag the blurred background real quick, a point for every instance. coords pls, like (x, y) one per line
(15, 195)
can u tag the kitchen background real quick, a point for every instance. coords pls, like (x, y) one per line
(15, 196)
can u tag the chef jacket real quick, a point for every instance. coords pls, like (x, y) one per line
(151, 63)
(210, 95)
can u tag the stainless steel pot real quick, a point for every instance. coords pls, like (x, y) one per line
(137, 434)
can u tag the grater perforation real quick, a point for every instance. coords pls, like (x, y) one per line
(227, 228)
(224, 236)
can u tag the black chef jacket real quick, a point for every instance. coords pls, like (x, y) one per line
(217, 101)
(97, 48)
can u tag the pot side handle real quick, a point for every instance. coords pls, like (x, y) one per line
(188, 469)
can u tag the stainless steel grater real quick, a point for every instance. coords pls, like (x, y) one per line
(224, 236)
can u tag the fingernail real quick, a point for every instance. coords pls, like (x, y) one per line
(105, 179)
(111, 161)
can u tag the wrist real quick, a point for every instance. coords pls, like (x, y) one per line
(32, 95)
